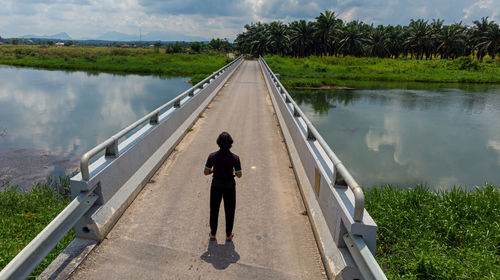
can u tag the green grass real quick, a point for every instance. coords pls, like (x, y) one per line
(447, 235)
(421, 234)
(315, 71)
(24, 214)
(113, 60)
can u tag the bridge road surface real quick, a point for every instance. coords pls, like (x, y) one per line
(164, 233)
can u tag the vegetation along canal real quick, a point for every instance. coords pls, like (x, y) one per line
(439, 135)
(48, 119)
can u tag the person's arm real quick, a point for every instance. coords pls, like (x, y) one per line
(208, 170)
(237, 168)
(209, 166)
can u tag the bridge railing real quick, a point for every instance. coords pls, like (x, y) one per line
(103, 191)
(313, 134)
(343, 209)
(111, 144)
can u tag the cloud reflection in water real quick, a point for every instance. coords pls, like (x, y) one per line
(71, 112)
(439, 136)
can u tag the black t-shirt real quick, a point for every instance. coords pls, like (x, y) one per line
(223, 162)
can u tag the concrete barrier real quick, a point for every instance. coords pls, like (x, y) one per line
(329, 202)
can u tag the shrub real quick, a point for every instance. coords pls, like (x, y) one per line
(465, 63)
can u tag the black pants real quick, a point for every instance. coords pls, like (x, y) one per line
(216, 195)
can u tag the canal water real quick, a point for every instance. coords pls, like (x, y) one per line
(439, 135)
(48, 119)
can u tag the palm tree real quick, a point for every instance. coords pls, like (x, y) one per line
(418, 38)
(301, 36)
(325, 29)
(259, 46)
(435, 30)
(479, 31)
(277, 38)
(378, 43)
(396, 38)
(489, 41)
(452, 41)
(254, 40)
(353, 39)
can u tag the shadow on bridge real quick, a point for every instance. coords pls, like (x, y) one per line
(220, 255)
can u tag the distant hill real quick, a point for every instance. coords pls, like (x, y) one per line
(117, 36)
(152, 36)
(60, 36)
(123, 37)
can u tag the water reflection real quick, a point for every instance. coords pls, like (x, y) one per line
(323, 102)
(441, 136)
(67, 113)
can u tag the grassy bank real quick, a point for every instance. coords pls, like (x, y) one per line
(24, 214)
(315, 71)
(113, 60)
(447, 235)
(421, 234)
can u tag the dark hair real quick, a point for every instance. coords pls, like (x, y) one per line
(224, 141)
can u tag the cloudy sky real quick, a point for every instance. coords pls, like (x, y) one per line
(181, 19)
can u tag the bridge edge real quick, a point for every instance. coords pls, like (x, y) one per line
(68, 261)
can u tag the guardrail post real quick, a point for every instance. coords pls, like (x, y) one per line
(296, 112)
(112, 150)
(310, 135)
(359, 203)
(337, 179)
(287, 99)
(191, 92)
(177, 103)
(154, 119)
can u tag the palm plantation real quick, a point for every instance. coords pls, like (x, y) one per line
(329, 35)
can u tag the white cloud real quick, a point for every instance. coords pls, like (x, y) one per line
(349, 15)
(482, 8)
(218, 18)
(495, 145)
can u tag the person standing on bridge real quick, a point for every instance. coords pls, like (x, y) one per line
(224, 165)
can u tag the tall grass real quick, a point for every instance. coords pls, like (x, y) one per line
(115, 60)
(421, 234)
(24, 214)
(446, 235)
(316, 71)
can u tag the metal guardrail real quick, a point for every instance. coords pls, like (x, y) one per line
(33, 254)
(351, 238)
(111, 144)
(365, 261)
(313, 134)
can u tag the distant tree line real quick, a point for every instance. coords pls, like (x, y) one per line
(329, 35)
(214, 45)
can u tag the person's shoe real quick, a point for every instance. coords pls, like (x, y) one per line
(230, 237)
(212, 237)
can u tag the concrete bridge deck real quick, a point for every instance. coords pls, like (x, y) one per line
(164, 233)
